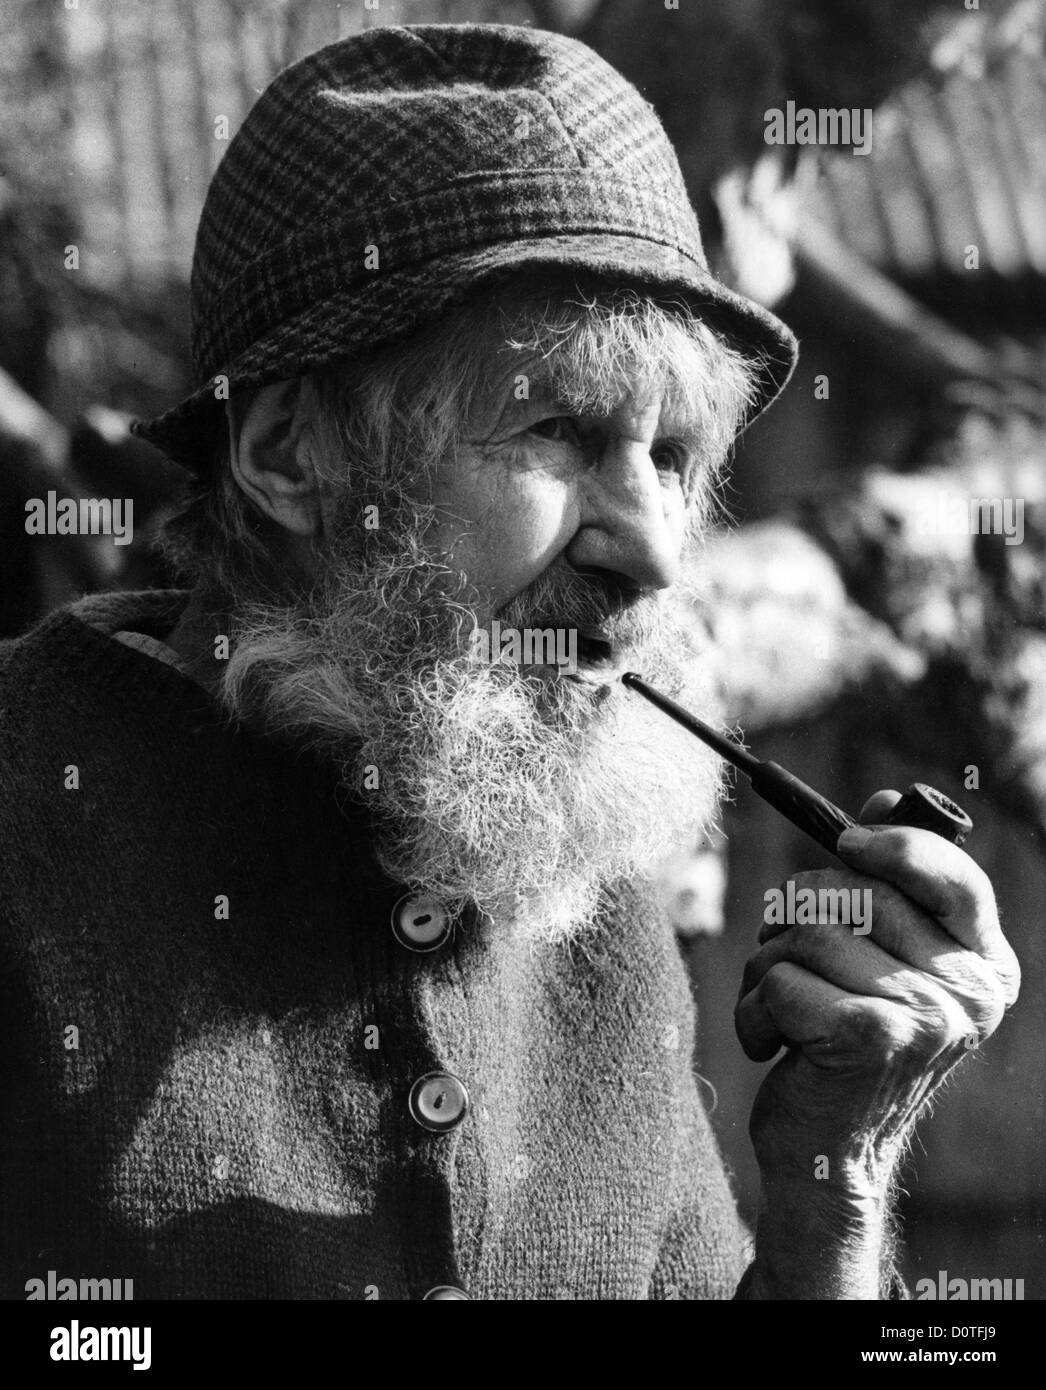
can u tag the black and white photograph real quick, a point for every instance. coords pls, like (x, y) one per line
(522, 666)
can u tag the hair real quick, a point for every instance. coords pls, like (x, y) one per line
(385, 420)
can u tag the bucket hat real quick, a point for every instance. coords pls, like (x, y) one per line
(382, 179)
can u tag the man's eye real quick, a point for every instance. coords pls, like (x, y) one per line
(671, 458)
(558, 428)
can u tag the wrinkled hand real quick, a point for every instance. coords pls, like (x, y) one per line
(873, 1022)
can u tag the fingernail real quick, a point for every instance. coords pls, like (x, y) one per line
(853, 840)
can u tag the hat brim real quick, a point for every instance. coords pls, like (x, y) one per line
(395, 303)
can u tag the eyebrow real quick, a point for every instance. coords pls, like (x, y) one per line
(688, 431)
(673, 423)
(676, 421)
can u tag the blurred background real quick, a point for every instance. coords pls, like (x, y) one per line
(858, 647)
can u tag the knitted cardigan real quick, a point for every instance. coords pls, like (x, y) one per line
(213, 1102)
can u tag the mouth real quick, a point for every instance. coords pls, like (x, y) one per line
(598, 660)
(549, 648)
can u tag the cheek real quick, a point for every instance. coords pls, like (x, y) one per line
(511, 526)
(530, 527)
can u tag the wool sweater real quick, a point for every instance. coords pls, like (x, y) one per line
(211, 1033)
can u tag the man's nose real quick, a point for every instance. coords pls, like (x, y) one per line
(630, 523)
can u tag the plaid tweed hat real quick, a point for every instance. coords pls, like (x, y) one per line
(382, 179)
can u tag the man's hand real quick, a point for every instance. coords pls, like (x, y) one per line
(873, 1021)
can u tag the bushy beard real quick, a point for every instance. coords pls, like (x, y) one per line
(519, 791)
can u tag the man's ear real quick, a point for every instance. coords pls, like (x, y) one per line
(269, 438)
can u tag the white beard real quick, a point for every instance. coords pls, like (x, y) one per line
(522, 793)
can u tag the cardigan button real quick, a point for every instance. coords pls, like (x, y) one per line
(445, 1291)
(420, 924)
(438, 1101)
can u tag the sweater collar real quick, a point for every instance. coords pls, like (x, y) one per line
(153, 612)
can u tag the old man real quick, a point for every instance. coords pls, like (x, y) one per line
(331, 966)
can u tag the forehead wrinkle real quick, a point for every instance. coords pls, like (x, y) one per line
(601, 393)
(682, 409)
(576, 378)
(680, 421)
(676, 418)
(588, 368)
(494, 399)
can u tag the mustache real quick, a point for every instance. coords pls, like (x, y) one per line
(594, 602)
